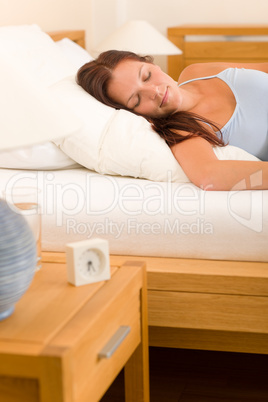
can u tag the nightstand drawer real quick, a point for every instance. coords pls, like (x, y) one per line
(94, 327)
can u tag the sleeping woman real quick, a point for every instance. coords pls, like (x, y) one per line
(213, 104)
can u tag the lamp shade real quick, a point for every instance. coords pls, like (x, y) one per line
(140, 37)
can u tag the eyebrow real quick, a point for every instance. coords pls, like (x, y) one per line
(139, 76)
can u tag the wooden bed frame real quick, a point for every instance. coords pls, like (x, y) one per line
(202, 51)
(202, 304)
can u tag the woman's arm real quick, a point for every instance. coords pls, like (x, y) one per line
(204, 169)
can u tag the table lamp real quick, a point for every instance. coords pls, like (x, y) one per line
(29, 115)
(139, 37)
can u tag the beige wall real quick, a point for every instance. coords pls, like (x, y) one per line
(101, 17)
(174, 12)
(48, 14)
(64, 14)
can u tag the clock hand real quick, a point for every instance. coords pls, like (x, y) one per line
(90, 266)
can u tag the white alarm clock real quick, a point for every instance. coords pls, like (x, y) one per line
(88, 261)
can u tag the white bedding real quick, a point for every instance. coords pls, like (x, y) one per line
(141, 217)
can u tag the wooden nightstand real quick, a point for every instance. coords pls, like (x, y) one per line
(50, 347)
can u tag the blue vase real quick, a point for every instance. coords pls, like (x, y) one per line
(17, 258)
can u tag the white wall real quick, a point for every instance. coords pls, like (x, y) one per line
(100, 17)
(175, 12)
(105, 18)
(48, 14)
(97, 17)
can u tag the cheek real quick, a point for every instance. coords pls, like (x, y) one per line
(147, 109)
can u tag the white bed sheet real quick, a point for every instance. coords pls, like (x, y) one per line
(142, 217)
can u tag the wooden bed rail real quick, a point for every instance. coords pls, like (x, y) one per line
(205, 50)
(77, 36)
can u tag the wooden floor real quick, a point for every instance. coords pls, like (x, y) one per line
(199, 376)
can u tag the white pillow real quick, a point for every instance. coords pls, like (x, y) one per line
(94, 117)
(41, 62)
(35, 52)
(230, 152)
(29, 114)
(118, 142)
(75, 54)
(45, 156)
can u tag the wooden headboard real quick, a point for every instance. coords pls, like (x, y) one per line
(76, 36)
(244, 45)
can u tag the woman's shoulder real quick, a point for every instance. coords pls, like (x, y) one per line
(200, 70)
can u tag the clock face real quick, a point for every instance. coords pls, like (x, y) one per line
(87, 261)
(90, 263)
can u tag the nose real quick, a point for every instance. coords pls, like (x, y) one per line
(151, 91)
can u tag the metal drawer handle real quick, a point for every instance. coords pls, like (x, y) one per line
(114, 342)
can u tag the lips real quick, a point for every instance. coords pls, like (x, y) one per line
(165, 98)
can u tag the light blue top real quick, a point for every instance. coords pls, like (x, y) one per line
(248, 126)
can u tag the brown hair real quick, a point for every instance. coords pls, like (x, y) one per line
(95, 76)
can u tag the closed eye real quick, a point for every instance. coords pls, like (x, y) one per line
(138, 103)
(148, 77)
(139, 99)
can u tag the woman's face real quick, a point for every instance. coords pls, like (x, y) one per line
(144, 89)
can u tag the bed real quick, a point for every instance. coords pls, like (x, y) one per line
(206, 252)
